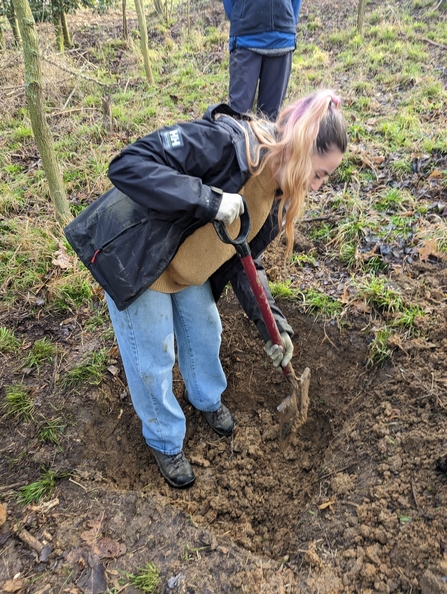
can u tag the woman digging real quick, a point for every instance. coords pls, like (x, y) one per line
(151, 245)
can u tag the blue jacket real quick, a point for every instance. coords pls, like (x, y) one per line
(263, 24)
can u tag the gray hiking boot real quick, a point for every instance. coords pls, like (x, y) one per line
(175, 469)
(220, 420)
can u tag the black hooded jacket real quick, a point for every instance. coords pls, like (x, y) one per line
(166, 185)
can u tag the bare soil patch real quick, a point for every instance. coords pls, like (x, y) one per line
(357, 504)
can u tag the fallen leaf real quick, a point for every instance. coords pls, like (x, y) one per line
(62, 259)
(428, 247)
(76, 555)
(13, 585)
(92, 580)
(328, 504)
(107, 547)
(89, 536)
(2, 514)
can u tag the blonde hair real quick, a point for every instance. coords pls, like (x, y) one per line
(310, 125)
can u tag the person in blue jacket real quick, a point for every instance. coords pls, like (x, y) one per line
(262, 41)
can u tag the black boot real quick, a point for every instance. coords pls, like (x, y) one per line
(175, 469)
(220, 420)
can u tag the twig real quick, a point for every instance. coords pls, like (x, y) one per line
(56, 113)
(79, 484)
(6, 487)
(74, 73)
(413, 490)
(325, 476)
(434, 42)
(316, 219)
(73, 89)
(30, 540)
(326, 337)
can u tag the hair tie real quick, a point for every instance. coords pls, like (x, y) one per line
(335, 100)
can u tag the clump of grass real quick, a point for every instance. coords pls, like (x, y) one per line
(40, 489)
(283, 290)
(72, 292)
(89, 372)
(353, 228)
(434, 236)
(49, 431)
(302, 259)
(42, 351)
(25, 257)
(374, 264)
(320, 231)
(147, 579)
(348, 253)
(98, 320)
(394, 200)
(8, 341)
(19, 403)
(379, 350)
(320, 304)
(379, 294)
(406, 318)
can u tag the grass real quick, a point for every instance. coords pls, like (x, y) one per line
(43, 351)
(89, 372)
(283, 290)
(50, 431)
(379, 294)
(147, 578)
(8, 341)
(303, 259)
(19, 403)
(321, 304)
(379, 350)
(40, 489)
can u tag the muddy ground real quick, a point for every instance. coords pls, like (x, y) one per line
(356, 504)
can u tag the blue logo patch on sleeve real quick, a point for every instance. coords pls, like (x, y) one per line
(172, 138)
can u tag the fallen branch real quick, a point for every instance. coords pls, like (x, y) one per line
(433, 42)
(75, 73)
(30, 540)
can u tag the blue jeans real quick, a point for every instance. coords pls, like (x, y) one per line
(145, 333)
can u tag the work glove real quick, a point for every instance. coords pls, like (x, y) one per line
(231, 207)
(277, 355)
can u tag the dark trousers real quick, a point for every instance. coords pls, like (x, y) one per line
(247, 68)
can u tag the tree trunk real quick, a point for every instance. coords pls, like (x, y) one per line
(11, 16)
(188, 16)
(65, 30)
(144, 40)
(106, 112)
(361, 15)
(2, 40)
(58, 32)
(125, 29)
(36, 106)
